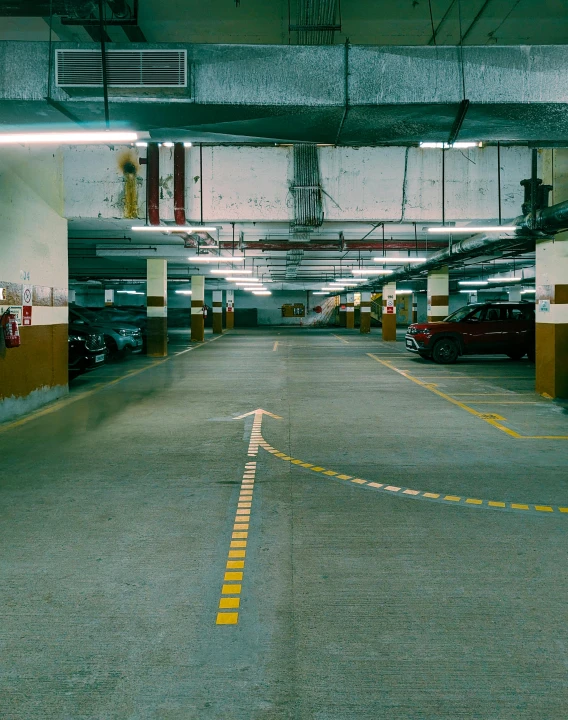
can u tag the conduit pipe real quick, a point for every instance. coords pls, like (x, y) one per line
(153, 183)
(179, 183)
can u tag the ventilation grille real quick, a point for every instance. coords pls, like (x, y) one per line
(125, 68)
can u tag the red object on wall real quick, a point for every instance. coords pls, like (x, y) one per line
(318, 309)
(179, 183)
(11, 332)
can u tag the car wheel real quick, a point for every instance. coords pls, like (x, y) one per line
(111, 347)
(445, 352)
(518, 355)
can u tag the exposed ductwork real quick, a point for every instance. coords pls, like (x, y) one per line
(308, 211)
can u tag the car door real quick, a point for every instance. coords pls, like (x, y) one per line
(520, 328)
(471, 330)
(492, 330)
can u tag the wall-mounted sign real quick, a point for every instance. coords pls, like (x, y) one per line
(27, 296)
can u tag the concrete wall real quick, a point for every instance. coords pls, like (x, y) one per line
(33, 252)
(253, 183)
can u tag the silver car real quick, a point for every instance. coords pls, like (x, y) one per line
(121, 338)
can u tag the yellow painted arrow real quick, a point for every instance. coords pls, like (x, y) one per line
(258, 412)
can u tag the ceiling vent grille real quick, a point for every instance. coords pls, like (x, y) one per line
(125, 68)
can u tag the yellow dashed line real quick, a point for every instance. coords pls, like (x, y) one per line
(359, 481)
(453, 498)
(473, 501)
(345, 477)
(516, 506)
(491, 503)
(330, 472)
(543, 508)
(229, 602)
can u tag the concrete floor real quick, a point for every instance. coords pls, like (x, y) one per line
(117, 508)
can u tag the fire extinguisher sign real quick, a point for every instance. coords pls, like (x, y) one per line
(27, 305)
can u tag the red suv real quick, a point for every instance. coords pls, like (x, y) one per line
(483, 328)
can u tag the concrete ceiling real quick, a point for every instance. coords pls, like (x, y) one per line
(373, 22)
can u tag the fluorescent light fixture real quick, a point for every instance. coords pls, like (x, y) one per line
(168, 144)
(67, 138)
(262, 292)
(214, 259)
(447, 146)
(333, 289)
(141, 144)
(472, 229)
(473, 282)
(321, 292)
(528, 292)
(371, 271)
(129, 292)
(245, 280)
(467, 292)
(349, 280)
(183, 292)
(173, 228)
(253, 287)
(240, 271)
(188, 144)
(404, 292)
(399, 260)
(504, 280)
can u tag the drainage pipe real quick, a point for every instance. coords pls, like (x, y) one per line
(153, 183)
(179, 183)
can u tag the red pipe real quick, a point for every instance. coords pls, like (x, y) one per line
(153, 183)
(179, 184)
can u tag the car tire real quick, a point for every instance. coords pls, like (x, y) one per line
(445, 351)
(518, 355)
(112, 348)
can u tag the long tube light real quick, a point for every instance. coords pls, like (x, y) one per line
(399, 260)
(528, 292)
(173, 228)
(321, 292)
(67, 138)
(471, 230)
(215, 259)
(333, 289)
(241, 280)
(240, 271)
(371, 271)
(262, 292)
(504, 280)
(404, 292)
(183, 292)
(473, 282)
(449, 146)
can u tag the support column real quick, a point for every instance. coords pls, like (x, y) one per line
(217, 312)
(552, 290)
(389, 312)
(109, 298)
(350, 311)
(157, 308)
(342, 310)
(515, 294)
(414, 308)
(230, 319)
(438, 294)
(365, 321)
(197, 301)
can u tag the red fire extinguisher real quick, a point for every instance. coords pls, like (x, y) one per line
(11, 331)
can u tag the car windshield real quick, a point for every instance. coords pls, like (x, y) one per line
(462, 313)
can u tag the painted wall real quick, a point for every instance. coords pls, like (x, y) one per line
(253, 183)
(33, 252)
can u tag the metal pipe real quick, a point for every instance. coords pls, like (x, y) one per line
(104, 62)
(179, 183)
(153, 183)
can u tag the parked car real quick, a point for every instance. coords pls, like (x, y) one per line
(480, 329)
(121, 338)
(87, 349)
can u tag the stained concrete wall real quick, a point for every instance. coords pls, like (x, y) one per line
(33, 252)
(253, 183)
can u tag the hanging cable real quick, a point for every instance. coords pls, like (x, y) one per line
(432, 22)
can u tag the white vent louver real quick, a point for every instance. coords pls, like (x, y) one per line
(125, 68)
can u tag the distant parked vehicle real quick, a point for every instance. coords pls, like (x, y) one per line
(480, 329)
(121, 338)
(87, 349)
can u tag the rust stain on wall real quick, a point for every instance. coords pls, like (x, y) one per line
(129, 165)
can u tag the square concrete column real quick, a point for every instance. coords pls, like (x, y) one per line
(350, 311)
(342, 310)
(389, 311)
(217, 312)
(157, 308)
(438, 294)
(515, 294)
(197, 302)
(230, 318)
(414, 308)
(109, 298)
(552, 290)
(365, 322)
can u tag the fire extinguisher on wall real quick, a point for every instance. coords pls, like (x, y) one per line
(10, 329)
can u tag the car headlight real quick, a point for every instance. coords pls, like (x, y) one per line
(74, 338)
(125, 333)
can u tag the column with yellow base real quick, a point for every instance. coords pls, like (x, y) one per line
(438, 294)
(365, 322)
(552, 290)
(389, 312)
(414, 308)
(197, 301)
(217, 312)
(157, 308)
(350, 311)
(230, 318)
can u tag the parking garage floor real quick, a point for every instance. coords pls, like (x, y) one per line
(391, 545)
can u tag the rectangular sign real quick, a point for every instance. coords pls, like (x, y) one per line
(27, 315)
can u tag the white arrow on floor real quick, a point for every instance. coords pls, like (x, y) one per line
(258, 413)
